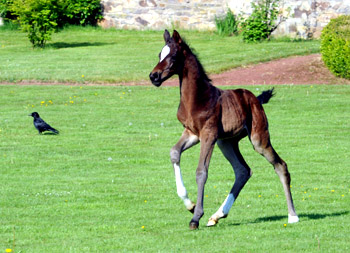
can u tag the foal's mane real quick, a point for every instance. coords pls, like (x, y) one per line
(201, 71)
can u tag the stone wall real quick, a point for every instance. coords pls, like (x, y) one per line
(306, 18)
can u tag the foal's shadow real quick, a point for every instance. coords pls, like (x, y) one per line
(313, 216)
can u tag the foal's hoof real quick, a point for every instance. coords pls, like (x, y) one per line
(293, 218)
(212, 222)
(194, 225)
(191, 209)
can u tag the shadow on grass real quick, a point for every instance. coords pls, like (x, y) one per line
(313, 216)
(49, 133)
(59, 45)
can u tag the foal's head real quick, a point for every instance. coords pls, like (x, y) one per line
(169, 59)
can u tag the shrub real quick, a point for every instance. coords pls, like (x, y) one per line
(227, 25)
(335, 46)
(38, 18)
(5, 10)
(262, 22)
(83, 12)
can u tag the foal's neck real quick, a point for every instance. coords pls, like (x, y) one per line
(193, 79)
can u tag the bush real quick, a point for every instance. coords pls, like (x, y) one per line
(335, 46)
(83, 12)
(262, 22)
(227, 25)
(38, 18)
(5, 10)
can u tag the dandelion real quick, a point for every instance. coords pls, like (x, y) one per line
(84, 99)
(82, 76)
(342, 195)
(8, 250)
(42, 102)
(332, 190)
(143, 227)
(276, 195)
(50, 101)
(145, 201)
(259, 196)
(72, 102)
(285, 225)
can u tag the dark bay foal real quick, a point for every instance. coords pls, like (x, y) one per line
(211, 115)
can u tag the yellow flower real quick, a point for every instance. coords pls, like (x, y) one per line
(332, 190)
(145, 201)
(259, 196)
(285, 225)
(8, 250)
(82, 76)
(143, 227)
(42, 102)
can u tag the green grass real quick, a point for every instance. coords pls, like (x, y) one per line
(105, 184)
(96, 55)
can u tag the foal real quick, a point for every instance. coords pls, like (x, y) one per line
(211, 115)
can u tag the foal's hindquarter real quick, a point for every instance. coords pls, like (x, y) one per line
(210, 116)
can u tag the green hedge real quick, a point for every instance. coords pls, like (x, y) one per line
(335, 46)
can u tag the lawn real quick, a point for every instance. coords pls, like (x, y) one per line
(105, 183)
(95, 55)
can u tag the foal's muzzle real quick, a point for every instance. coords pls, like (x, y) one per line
(156, 78)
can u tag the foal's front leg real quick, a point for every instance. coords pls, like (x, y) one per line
(187, 140)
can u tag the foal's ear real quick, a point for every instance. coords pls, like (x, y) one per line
(166, 36)
(176, 37)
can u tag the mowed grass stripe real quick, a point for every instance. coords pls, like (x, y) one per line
(106, 182)
(95, 55)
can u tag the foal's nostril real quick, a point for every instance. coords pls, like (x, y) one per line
(154, 76)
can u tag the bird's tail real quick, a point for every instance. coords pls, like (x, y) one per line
(54, 130)
(265, 96)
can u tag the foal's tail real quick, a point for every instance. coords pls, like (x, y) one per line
(265, 96)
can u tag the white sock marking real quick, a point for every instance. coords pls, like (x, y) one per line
(181, 190)
(226, 206)
(164, 53)
(223, 210)
(293, 219)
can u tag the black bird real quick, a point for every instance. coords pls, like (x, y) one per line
(41, 125)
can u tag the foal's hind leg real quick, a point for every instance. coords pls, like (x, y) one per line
(262, 145)
(186, 141)
(242, 173)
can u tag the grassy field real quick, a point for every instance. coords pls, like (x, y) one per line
(96, 55)
(105, 184)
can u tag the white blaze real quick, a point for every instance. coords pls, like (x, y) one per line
(164, 53)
